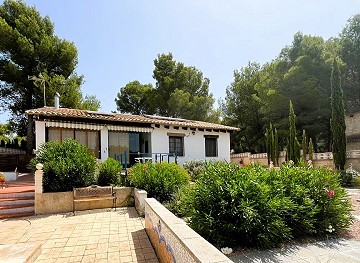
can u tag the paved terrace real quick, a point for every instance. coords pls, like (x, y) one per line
(89, 236)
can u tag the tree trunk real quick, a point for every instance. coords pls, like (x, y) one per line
(30, 135)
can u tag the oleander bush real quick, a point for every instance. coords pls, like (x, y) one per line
(160, 180)
(66, 165)
(177, 202)
(109, 172)
(253, 206)
(195, 169)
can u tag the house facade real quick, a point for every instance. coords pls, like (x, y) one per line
(352, 122)
(130, 137)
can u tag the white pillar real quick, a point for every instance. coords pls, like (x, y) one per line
(39, 134)
(104, 135)
(39, 179)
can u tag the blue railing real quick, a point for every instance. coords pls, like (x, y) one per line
(158, 157)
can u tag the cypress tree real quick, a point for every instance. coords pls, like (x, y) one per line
(276, 147)
(270, 144)
(287, 158)
(311, 149)
(337, 119)
(293, 143)
(304, 145)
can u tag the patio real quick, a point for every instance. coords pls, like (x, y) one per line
(90, 236)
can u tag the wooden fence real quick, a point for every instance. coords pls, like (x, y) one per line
(9, 162)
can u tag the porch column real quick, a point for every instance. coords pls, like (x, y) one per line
(39, 134)
(104, 138)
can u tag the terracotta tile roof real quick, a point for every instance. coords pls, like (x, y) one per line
(117, 117)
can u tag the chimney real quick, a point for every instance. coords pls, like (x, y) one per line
(57, 96)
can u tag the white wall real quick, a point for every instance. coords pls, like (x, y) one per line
(39, 133)
(194, 145)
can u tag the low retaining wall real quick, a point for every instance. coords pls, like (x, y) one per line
(319, 159)
(62, 202)
(139, 196)
(174, 241)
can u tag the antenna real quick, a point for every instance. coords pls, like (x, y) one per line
(42, 81)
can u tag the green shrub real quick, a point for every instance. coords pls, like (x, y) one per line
(253, 206)
(346, 179)
(194, 168)
(320, 200)
(109, 172)
(357, 182)
(160, 180)
(177, 202)
(66, 165)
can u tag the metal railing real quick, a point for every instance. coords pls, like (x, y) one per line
(124, 158)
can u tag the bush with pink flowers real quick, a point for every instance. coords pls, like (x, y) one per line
(232, 206)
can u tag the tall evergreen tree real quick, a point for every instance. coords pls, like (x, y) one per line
(29, 47)
(272, 145)
(293, 143)
(276, 147)
(311, 149)
(304, 145)
(337, 119)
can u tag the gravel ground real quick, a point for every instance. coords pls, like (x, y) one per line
(354, 230)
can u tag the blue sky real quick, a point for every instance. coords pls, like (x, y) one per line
(118, 40)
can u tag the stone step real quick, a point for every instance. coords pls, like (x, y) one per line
(5, 216)
(27, 208)
(17, 201)
(24, 194)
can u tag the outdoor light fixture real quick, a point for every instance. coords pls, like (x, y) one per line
(42, 81)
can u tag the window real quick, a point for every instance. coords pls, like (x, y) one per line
(118, 144)
(211, 146)
(89, 138)
(176, 145)
(60, 134)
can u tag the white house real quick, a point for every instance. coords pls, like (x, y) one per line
(110, 134)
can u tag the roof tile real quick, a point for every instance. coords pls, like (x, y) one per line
(117, 117)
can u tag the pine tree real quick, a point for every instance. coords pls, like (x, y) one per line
(337, 119)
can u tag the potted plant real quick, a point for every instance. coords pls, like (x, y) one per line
(2, 179)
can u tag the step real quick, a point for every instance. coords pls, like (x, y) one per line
(5, 216)
(16, 209)
(20, 189)
(17, 201)
(24, 194)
